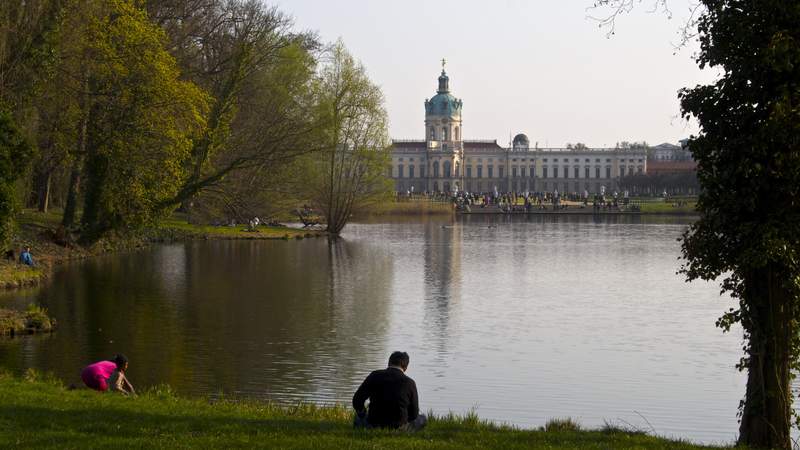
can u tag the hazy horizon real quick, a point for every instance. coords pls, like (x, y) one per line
(532, 67)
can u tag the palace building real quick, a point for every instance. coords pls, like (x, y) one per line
(445, 162)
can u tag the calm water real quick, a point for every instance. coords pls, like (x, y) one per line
(521, 320)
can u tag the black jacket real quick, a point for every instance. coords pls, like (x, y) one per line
(392, 395)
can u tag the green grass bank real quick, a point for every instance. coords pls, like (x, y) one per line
(33, 320)
(409, 208)
(37, 413)
(660, 207)
(13, 275)
(41, 232)
(177, 228)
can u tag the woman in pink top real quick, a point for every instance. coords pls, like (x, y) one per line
(96, 376)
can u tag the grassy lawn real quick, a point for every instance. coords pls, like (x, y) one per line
(32, 320)
(14, 275)
(34, 229)
(39, 229)
(180, 228)
(44, 414)
(420, 206)
(32, 219)
(662, 207)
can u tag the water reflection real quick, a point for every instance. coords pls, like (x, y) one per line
(442, 269)
(525, 318)
(249, 318)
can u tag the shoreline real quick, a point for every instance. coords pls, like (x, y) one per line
(574, 212)
(160, 418)
(423, 207)
(33, 320)
(37, 230)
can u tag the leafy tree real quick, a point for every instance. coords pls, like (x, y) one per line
(634, 144)
(748, 155)
(15, 155)
(274, 124)
(684, 182)
(258, 73)
(350, 171)
(28, 32)
(142, 121)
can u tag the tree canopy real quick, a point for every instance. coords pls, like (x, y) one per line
(15, 155)
(748, 154)
(134, 109)
(350, 170)
(142, 120)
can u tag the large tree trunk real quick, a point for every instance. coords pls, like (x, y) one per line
(94, 220)
(766, 414)
(43, 191)
(68, 221)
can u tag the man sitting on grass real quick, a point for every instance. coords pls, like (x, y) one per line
(393, 399)
(108, 375)
(25, 257)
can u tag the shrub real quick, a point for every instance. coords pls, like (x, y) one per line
(558, 425)
(36, 318)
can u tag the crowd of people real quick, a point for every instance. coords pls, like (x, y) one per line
(532, 201)
(524, 201)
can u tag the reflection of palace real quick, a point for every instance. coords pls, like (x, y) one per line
(446, 162)
(442, 281)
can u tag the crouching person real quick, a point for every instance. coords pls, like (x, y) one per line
(108, 376)
(393, 399)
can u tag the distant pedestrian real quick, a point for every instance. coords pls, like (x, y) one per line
(26, 258)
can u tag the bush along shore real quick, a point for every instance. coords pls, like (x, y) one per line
(33, 320)
(406, 208)
(50, 246)
(39, 412)
(177, 229)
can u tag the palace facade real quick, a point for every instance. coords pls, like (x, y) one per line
(445, 162)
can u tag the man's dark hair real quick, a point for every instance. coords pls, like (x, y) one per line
(120, 360)
(399, 359)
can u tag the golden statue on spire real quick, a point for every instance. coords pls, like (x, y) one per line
(443, 63)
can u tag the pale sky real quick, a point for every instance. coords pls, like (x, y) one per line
(533, 66)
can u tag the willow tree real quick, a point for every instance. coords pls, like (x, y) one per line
(350, 170)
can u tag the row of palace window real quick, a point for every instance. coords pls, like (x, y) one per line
(444, 134)
(516, 172)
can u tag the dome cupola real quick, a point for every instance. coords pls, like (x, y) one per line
(443, 103)
(521, 142)
(444, 83)
(443, 119)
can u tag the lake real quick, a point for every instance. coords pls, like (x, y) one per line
(520, 319)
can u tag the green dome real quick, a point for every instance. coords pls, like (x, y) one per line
(443, 103)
